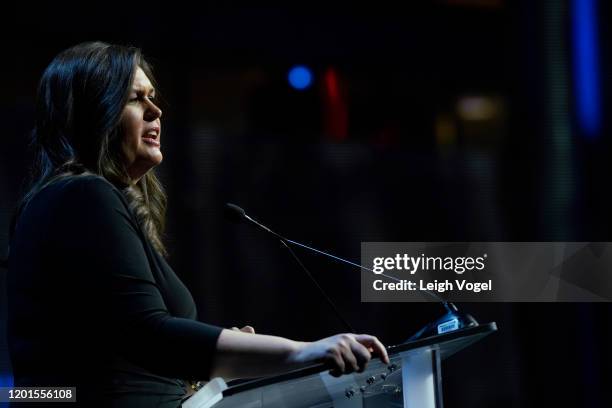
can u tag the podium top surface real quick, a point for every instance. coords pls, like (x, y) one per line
(446, 344)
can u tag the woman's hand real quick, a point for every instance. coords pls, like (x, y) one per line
(243, 354)
(343, 353)
(245, 329)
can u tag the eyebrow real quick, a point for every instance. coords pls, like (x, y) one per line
(141, 90)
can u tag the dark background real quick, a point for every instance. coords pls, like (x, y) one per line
(450, 120)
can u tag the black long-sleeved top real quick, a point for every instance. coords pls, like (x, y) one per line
(93, 305)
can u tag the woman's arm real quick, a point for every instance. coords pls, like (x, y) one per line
(243, 355)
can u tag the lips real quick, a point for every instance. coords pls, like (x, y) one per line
(151, 136)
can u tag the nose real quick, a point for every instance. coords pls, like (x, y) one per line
(152, 111)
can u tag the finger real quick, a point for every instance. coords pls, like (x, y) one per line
(235, 328)
(350, 361)
(334, 359)
(375, 345)
(362, 354)
(335, 372)
(248, 329)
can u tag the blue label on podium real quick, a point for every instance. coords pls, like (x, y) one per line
(448, 326)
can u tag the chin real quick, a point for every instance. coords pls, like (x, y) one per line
(140, 169)
(155, 160)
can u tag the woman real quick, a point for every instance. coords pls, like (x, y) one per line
(92, 301)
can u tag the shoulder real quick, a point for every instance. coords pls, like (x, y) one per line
(75, 206)
(92, 202)
(86, 187)
(75, 197)
(82, 182)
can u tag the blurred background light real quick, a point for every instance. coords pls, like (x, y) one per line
(477, 108)
(445, 130)
(300, 77)
(335, 106)
(586, 66)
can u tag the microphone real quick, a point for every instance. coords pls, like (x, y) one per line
(451, 321)
(237, 214)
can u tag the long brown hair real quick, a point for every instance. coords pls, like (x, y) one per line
(80, 100)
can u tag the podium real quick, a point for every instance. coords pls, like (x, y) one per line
(412, 379)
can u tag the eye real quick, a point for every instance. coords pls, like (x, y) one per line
(140, 97)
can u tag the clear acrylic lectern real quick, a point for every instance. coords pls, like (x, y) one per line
(412, 379)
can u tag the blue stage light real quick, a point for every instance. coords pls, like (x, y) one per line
(6, 380)
(300, 77)
(586, 66)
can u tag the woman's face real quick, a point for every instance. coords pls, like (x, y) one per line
(141, 126)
